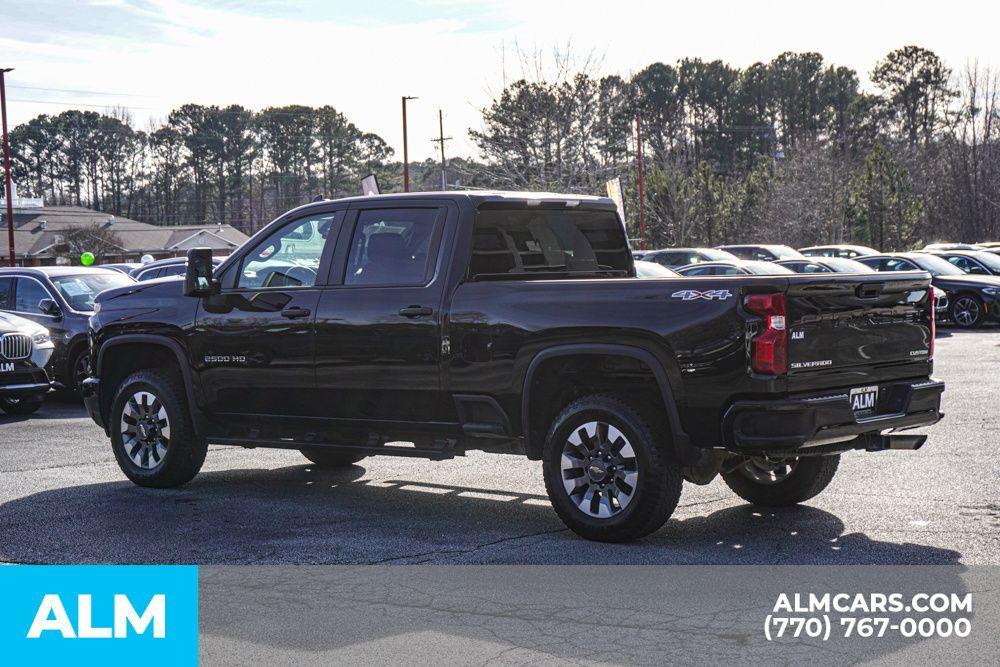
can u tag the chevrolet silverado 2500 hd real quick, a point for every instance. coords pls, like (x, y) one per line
(512, 323)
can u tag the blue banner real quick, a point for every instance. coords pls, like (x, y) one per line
(78, 614)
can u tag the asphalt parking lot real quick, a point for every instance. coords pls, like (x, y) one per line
(63, 500)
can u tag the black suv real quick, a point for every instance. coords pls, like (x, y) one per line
(511, 323)
(61, 299)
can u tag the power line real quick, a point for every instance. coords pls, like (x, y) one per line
(80, 104)
(81, 92)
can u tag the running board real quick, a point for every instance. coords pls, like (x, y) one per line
(445, 451)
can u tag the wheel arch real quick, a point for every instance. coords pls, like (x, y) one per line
(136, 345)
(533, 441)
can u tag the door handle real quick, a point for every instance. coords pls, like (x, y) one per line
(295, 312)
(415, 311)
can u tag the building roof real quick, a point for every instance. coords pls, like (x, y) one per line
(37, 232)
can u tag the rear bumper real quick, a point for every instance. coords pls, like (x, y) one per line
(815, 420)
(90, 390)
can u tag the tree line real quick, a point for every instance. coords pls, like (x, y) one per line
(793, 150)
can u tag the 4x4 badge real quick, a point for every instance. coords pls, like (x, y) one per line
(691, 295)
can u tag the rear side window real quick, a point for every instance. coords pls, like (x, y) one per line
(518, 242)
(394, 246)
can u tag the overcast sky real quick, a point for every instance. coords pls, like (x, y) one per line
(362, 56)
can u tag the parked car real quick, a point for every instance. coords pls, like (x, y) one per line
(60, 298)
(127, 267)
(762, 253)
(164, 268)
(989, 245)
(25, 349)
(644, 269)
(737, 267)
(674, 258)
(842, 250)
(824, 265)
(930, 247)
(973, 299)
(475, 320)
(976, 262)
(841, 265)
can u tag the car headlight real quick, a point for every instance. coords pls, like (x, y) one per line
(41, 338)
(992, 291)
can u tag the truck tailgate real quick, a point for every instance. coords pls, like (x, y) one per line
(848, 323)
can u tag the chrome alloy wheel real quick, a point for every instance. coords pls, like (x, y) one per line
(768, 471)
(966, 311)
(145, 430)
(599, 469)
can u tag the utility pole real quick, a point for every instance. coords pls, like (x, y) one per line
(642, 203)
(406, 155)
(8, 185)
(440, 140)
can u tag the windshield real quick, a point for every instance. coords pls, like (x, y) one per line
(80, 290)
(784, 252)
(765, 268)
(989, 259)
(936, 266)
(652, 270)
(718, 255)
(841, 265)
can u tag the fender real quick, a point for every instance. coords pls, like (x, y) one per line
(681, 442)
(197, 419)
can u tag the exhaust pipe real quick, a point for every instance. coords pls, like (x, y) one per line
(908, 442)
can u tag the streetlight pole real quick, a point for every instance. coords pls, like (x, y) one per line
(642, 202)
(8, 185)
(406, 155)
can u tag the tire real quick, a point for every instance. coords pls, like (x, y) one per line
(166, 457)
(617, 516)
(967, 311)
(15, 405)
(804, 478)
(77, 370)
(331, 457)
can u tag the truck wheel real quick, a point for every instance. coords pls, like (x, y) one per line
(967, 311)
(151, 431)
(606, 472)
(332, 458)
(19, 406)
(779, 482)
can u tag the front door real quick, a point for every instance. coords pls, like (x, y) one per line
(253, 343)
(378, 332)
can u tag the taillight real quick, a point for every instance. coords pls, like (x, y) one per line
(770, 346)
(933, 302)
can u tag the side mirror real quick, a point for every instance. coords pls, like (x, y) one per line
(49, 307)
(198, 279)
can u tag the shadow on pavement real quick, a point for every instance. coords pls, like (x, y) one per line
(301, 514)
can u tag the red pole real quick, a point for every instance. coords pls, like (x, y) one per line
(406, 156)
(642, 202)
(8, 185)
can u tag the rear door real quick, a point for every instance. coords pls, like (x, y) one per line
(858, 327)
(379, 327)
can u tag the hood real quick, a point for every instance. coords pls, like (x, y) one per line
(12, 323)
(172, 286)
(967, 280)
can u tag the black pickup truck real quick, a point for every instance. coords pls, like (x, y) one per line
(432, 324)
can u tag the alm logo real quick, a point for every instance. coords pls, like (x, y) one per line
(99, 614)
(52, 617)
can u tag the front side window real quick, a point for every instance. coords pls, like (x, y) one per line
(394, 246)
(27, 294)
(515, 242)
(289, 256)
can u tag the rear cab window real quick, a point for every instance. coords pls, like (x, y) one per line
(519, 243)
